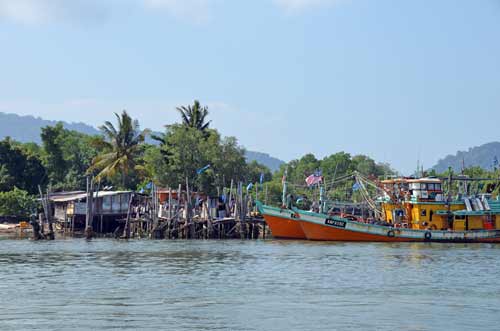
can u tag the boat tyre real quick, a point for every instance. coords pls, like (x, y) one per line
(428, 235)
(391, 234)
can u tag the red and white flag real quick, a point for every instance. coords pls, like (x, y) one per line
(313, 180)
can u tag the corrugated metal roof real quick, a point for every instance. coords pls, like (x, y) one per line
(79, 195)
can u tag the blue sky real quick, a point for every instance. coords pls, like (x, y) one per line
(396, 80)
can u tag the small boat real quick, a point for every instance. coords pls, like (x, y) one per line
(284, 223)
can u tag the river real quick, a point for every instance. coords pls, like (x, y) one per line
(247, 285)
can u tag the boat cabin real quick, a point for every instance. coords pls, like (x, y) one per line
(424, 207)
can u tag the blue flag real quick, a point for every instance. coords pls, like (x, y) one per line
(202, 170)
(356, 187)
(261, 177)
(149, 185)
(249, 187)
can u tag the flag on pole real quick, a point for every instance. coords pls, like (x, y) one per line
(356, 187)
(249, 187)
(283, 179)
(261, 177)
(202, 170)
(314, 179)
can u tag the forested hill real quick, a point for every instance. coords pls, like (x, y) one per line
(27, 129)
(482, 156)
(265, 159)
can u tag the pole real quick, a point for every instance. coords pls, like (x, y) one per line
(265, 201)
(283, 198)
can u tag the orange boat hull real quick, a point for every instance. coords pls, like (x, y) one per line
(284, 227)
(315, 231)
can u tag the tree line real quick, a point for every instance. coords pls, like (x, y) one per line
(120, 158)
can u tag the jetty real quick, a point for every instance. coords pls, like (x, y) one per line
(162, 213)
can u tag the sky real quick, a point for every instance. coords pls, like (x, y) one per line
(400, 81)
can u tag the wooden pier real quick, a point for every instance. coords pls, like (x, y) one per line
(161, 214)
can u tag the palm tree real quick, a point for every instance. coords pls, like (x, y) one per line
(194, 116)
(121, 147)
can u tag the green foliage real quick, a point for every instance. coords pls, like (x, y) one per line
(332, 167)
(67, 156)
(52, 138)
(184, 149)
(120, 152)
(255, 169)
(17, 203)
(17, 168)
(194, 116)
(490, 182)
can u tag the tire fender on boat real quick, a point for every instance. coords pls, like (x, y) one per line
(391, 233)
(428, 235)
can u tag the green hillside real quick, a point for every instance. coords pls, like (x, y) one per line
(482, 156)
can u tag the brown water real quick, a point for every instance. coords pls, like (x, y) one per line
(245, 285)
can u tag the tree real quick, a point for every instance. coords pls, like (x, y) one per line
(194, 116)
(181, 153)
(121, 149)
(19, 169)
(17, 203)
(184, 150)
(52, 139)
(255, 169)
(67, 155)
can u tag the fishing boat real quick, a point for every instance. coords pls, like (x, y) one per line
(409, 210)
(284, 223)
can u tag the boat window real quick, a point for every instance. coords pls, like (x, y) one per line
(459, 217)
(415, 186)
(423, 212)
(431, 187)
(423, 186)
(438, 187)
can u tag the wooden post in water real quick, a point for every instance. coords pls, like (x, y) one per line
(126, 230)
(241, 211)
(50, 235)
(90, 204)
(45, 213)
(178, 215)
(189, 220)
(230, 196)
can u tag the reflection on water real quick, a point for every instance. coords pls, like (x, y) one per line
(243, 285)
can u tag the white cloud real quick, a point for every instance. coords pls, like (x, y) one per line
(296, 6)
(43, 11)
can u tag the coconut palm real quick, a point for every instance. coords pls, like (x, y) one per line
(121, 145)
(194, 116)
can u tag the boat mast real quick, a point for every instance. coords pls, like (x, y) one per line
(283, 181)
